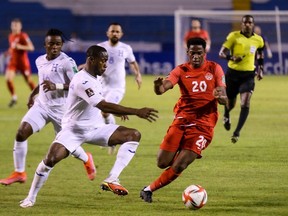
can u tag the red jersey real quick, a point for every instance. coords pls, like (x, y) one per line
(18, 58)
(192, 34)
(197, 104)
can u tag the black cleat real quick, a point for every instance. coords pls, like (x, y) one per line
(235, 137)
(146, 195)
(12, 103)
(227, 123)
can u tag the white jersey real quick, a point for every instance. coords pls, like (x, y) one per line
(115, 74)
(85, 92)
(58, 70)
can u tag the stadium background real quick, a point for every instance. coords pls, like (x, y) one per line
(148, 26)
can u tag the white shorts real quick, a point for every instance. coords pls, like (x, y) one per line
(38, 117)
(114, 95)
(73, 138)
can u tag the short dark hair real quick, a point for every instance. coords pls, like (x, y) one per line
(114, 23)
(196, 41)
(95, 51)
(56, 32)
(17, 20)
(247, 16)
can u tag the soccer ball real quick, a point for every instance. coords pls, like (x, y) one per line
(194, 197)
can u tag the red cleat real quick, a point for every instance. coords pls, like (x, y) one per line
(114, 187)
(20, 177)
(90, 167)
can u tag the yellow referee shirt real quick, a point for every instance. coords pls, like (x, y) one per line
(239, 45)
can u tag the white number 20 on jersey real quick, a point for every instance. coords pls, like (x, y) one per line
(199, 86)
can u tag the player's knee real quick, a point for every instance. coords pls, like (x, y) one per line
(134, 135)
(51, 160)
(162, 164)
(22, 135)
(24, 132)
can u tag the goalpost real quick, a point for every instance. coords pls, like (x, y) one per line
(219, 24)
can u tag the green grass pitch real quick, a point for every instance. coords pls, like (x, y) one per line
(244, 179)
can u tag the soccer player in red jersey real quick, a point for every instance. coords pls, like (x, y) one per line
(202, 87)
(197, 31)
(19, 44)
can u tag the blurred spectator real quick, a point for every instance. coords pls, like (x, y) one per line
(19, 45)
(258, 31)
(196, 31)
(74, 44)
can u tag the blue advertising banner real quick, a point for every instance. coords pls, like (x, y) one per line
(161, 63)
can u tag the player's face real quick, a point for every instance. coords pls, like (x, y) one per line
(196, 54)
(114, 33)
(16, 27)
(99, 65)
(247, 25)
(53, 45)
(196, 26)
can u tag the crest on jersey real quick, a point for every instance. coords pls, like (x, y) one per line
(209, 76)
(89, 92)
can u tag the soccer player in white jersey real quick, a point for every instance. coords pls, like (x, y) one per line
(81, 123)
(114, 79)
(55, 71)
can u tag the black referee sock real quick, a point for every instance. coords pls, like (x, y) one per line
(242, 118)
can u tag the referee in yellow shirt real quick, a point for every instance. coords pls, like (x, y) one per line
(240, 49)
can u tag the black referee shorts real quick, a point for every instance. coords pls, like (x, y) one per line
(239, 82)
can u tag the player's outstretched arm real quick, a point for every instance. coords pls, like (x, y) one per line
(147, 113)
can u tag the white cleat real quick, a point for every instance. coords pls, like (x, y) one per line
(26, 203)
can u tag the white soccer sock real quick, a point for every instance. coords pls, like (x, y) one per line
(14, 97)
(40, 177)
(19, 155)
(125, 154)
(80, 154)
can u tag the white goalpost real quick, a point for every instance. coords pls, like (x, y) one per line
(274, 25)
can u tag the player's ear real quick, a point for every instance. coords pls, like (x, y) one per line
(91, 59)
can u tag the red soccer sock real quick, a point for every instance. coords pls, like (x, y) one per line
(164, 179)
(10, 86)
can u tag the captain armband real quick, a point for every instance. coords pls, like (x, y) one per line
(59, 86)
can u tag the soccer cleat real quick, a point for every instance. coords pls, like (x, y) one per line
(26, 203)
(90, 167)
(114, 187)
(227, 123)
(235, 137)
(14, 177)
(146, 195)
(12, 103)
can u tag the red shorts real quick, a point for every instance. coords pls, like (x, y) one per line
(194, 138)
(22, 66)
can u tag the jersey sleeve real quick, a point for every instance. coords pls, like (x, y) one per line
(130, 55)
(71, 68)
(229, 41)
(220, 77)
(174, 75)
(261, 43)
(26, 37)
(89, 92)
